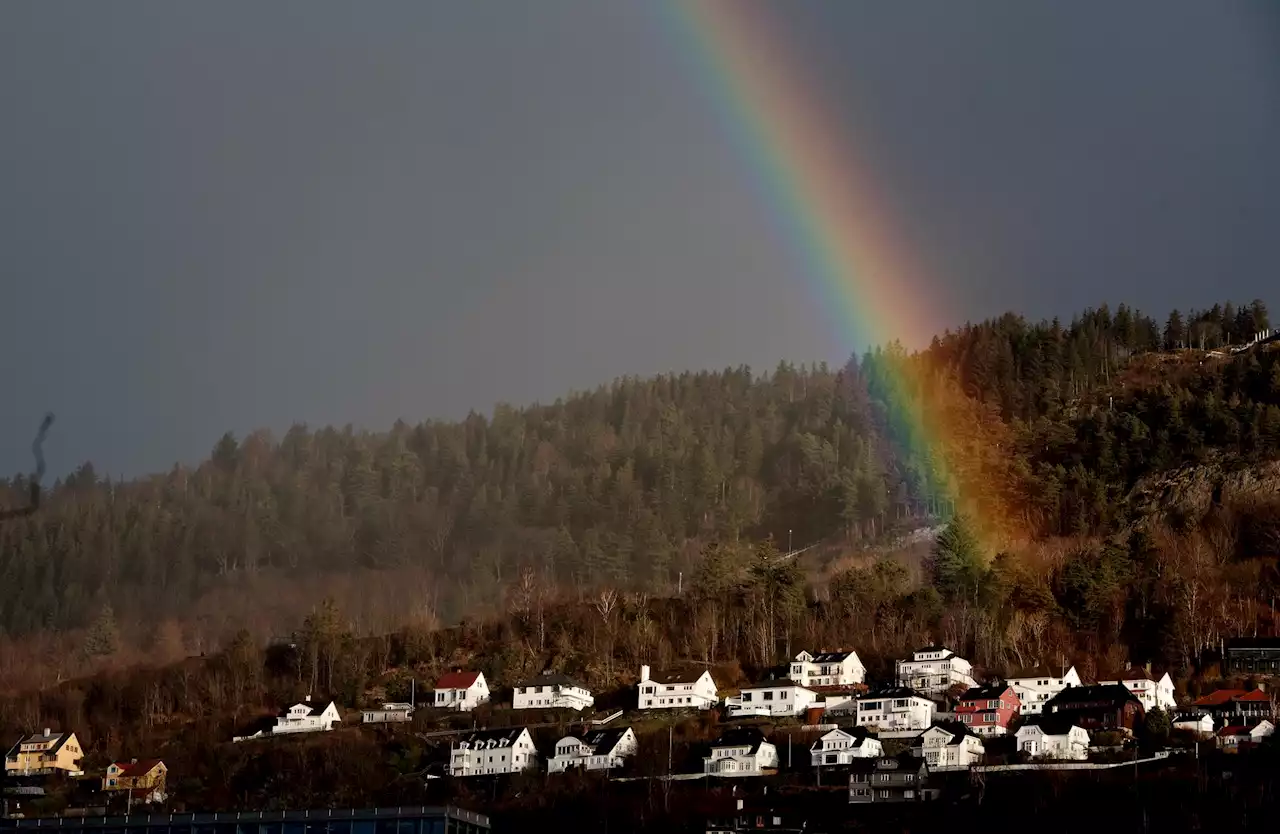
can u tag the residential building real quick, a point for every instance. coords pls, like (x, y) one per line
(146, 778)
(741, 752)
(933, 670)
(307, 717)
(1104, 706)
(1048, 736)
(1200, 723)
(1241, 735)
(1236, 706)
(462, 691)
(784, 697)
(895, 708)
(44, 753)
(838, 747)
(901, 778)
(1036, 686)
(551, 690)
(949, 745)
(1152, 693)
(838, 668)
(677, 689)
(596, 750)
(1259, 656)
(489, 752)
(390, 713)
(987, 710)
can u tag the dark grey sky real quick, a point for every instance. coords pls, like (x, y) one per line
(234, 215)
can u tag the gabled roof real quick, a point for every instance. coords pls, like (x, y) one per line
(602, 742)
(990, 692)
(748, 737)
(890, 692)
(832, 657)
(774, 684)
(1226, 696)
(54, 741)
(141, 767)
(1050, 725)
(857, 734)
(1114, 693)
(500, 738)
(944, 649)
(904, 762)
(315, 708)
(669, 676)
(457, 680)
(1252, 643)
(957, 729)
(1038, 672)
(549, 679)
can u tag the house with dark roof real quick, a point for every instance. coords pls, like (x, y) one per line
(146, 778)
(1236, 706)
(551, 690)
(1251, 656)
(949, 744)
(1104, 706)
(838, 668)
(45, 752)
(987, 710)
(596, 750)
(1049, 736)
(459, 690)
(491, 752)
(1236, 736)
(895, 708)
(781, 697)
(842, 745)
(741, 751)
(687, 688)
(933, 670)
(888, 779)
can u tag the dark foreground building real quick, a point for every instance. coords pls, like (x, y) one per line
(405, 820)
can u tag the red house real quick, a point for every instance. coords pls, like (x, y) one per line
(987, 710)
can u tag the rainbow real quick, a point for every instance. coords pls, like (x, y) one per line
(826, 204)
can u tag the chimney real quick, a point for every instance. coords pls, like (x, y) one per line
(133, 761)
(307, 699)
(47, 732)
(644, 674)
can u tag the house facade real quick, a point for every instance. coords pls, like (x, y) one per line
(307, 717)
(838, 747)
(1151, 693)
(1200, 723)
(1236, 706)
(677, 690)
(888, 779)
(551, 690)
(489, 752)
(1048, 737)
(1098, 707)
(895, 708)
(45, 752)
(987, 710)
(784, 697)
(839, 668)
(1243, 735)
(1259, 656)
(145, 777)
(741, 752)
(1035, 687)
(597, 750)
(933, 670)
(390, 713)
(461, 691)
(948, 746)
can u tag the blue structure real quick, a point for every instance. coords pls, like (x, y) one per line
(403, 820)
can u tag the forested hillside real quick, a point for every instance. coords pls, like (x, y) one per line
(1048, 427)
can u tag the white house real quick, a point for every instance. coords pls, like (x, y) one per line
(837, 668)
(1233, 737)
(784, 697)
(551, 691)
(676, 690)
(1151, 693)
(597, 750)
(895, 708)
(1200, 723)
(837, 747)
(933, 670)
(461, 691)
(741, 752)
(949, 745)
(486, 752)
(393, 713)
(1044, 737)
(307, 718)
(1036, 687)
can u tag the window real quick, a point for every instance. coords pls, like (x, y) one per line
(768, 696)
(832, 758)
(746, 697)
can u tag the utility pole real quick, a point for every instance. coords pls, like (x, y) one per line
(788, 541)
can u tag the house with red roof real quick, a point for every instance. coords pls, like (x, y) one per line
(1236, 706)
(1237, 736)
(460, 690)
(145, 778)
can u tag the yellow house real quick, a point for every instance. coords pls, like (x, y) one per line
(44, 754)
(144, 776)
